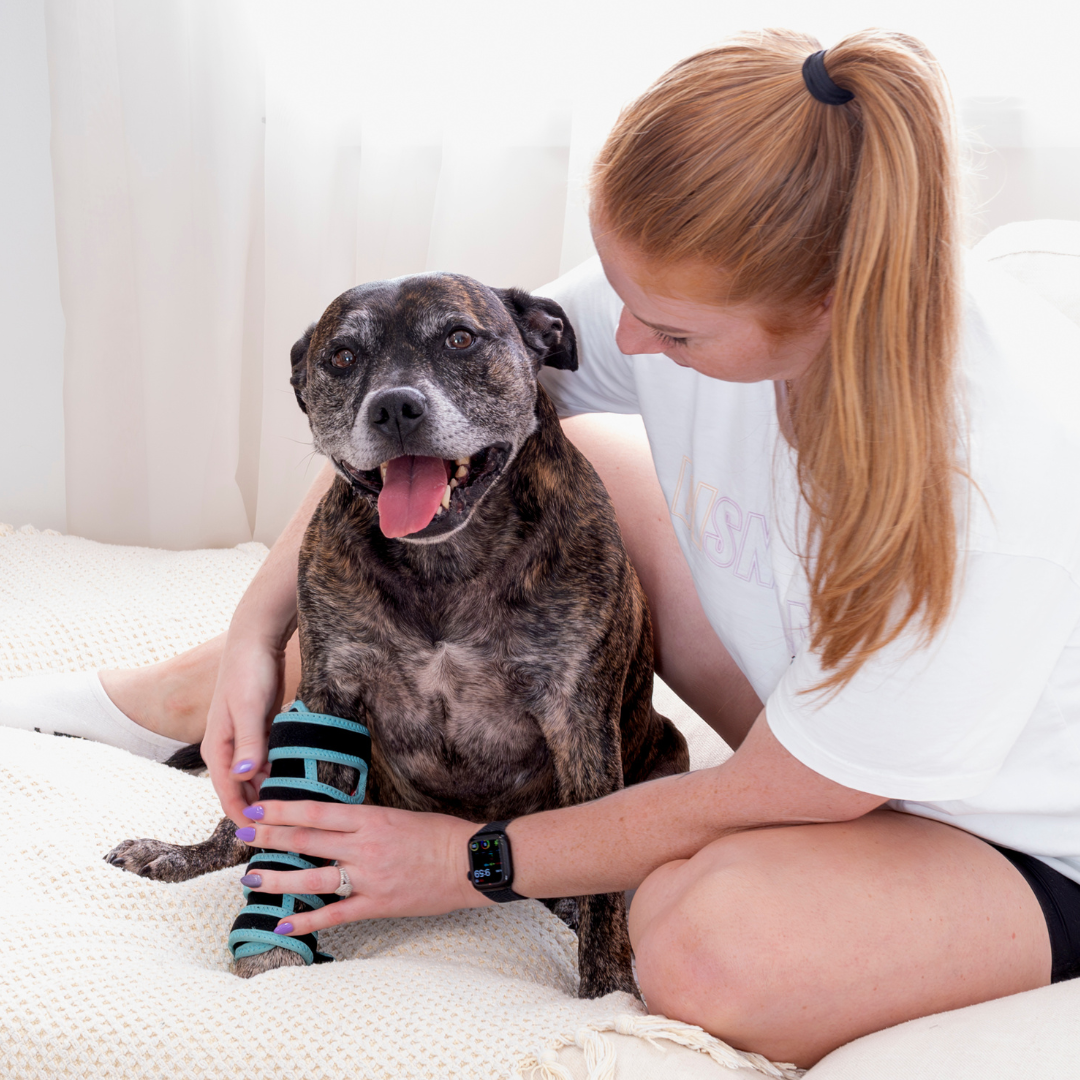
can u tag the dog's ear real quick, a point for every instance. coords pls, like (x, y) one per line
(544, 328)
(298, 357)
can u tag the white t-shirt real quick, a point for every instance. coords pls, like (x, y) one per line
(980, 729)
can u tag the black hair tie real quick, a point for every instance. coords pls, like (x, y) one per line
(819, 84)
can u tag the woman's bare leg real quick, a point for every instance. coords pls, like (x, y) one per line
(172, 697)
(793, 941)
(689, 656)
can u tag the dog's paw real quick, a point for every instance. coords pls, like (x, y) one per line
(609, 980)
(152, 859)
(248, 966)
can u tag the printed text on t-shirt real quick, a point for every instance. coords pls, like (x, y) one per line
(734, 539)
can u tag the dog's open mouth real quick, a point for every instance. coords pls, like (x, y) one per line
(423, 496)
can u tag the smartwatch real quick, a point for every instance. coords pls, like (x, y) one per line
(491, 870)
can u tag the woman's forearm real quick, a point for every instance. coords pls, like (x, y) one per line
(267, 610)
(614, 843)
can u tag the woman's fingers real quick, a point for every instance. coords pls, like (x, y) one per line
(247, 694)
(344, 911)
(219, 752)
(323, 880)
(322, 843)
(433, 880)
(334, 817)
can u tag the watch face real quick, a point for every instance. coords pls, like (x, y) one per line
(488, 860)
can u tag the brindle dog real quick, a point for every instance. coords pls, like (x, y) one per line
(463, 589)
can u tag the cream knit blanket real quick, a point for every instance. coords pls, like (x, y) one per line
(104, 974)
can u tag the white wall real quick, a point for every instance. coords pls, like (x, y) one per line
(31, 320)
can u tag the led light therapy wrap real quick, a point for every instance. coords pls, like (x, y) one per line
(299, 740)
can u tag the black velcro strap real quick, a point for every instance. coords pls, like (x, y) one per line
(319, 737)
(268, 862)
(270, 790)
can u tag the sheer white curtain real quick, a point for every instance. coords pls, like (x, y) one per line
(222, 171)
(158, 173)
(224, 168)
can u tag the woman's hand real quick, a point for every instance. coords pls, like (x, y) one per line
(400, 862)
(248, 695)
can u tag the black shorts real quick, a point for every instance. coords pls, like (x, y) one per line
(1059, 898)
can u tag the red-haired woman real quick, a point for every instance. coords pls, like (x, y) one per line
(869, 454)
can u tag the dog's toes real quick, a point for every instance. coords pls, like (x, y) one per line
(150, 859)
(126, 855)
(163, 868)
(116, 856)
(248, 966)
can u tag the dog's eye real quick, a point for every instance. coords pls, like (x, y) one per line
(343, 358)
(459, 339)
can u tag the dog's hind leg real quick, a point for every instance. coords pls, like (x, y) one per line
(160, 861)
(604, 953)
(671, 754)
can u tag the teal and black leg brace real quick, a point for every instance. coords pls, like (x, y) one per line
(299, 740)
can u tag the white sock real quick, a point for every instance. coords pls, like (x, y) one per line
(76, 704)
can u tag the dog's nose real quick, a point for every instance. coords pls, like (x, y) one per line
(397, 412)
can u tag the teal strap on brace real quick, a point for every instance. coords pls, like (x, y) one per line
(250, 940)
(299, 740)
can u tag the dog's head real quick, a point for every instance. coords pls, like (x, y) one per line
(421, 391)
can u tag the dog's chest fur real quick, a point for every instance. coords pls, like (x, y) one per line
(444, 718)
(452, 691)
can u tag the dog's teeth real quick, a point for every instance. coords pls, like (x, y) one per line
(382, 469)
(445, 498)
(462, 472)
(461, 461)
(453, 484)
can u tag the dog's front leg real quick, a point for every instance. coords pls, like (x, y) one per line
(161, 861)
(585, 750)
(313, 755)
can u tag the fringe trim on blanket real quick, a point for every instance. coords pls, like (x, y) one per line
(600, 1052)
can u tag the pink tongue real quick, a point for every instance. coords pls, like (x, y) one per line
(411, 493)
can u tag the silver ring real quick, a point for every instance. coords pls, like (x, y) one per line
(344, 888)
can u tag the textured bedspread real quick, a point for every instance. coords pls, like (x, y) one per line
(104, 974)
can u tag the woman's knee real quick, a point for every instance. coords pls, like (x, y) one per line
(654, 896)
(696, 937)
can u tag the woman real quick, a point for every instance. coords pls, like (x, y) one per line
(862, 475)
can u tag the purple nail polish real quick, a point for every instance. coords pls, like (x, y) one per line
(247, 834)
(253, 812)
(251, 880)
(283, 928)
(244, 766)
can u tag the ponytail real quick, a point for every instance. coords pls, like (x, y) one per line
(730, 163)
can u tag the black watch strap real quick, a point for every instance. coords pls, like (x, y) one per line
(500, 896)
(504, 896)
